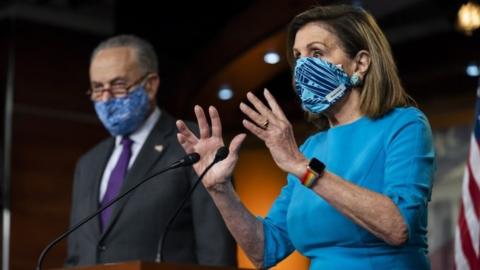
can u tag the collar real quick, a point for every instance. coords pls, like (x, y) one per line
(141, 134)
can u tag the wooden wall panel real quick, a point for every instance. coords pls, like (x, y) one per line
(53, 124)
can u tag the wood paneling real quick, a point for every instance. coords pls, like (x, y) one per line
(53, 124)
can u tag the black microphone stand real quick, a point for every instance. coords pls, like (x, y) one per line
(221, 154)
(188, 160)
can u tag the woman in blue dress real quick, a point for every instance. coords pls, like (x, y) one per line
(357, 190)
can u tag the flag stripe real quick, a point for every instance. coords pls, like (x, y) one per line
(466, 243)
(474, 192)
(468, 210)
(460, 262)
(474, 159)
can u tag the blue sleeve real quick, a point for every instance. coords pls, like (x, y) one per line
(277, 244)
(409, 167)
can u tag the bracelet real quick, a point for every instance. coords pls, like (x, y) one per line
(314, 170)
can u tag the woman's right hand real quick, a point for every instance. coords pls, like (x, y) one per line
(206, 146)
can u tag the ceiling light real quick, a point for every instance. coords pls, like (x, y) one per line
(271, 58)
(225, 93)
(469, 17)
(473, 70)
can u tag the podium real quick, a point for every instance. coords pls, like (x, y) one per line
(141, 265)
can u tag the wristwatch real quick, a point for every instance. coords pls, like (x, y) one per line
(314, 170)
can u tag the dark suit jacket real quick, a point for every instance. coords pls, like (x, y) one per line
(198, 235)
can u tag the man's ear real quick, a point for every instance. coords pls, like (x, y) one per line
(152, 84)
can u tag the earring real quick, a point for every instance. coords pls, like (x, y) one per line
(355, 80)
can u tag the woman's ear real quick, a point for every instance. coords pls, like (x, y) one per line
(362, 61)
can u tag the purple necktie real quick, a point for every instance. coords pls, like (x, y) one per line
(116, 180)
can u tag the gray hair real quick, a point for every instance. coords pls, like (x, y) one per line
(146, 56)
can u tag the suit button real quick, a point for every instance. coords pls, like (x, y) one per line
(102, 247)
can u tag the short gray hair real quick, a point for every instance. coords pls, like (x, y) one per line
(146, 56)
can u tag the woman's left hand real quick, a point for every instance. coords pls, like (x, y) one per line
(271, 126)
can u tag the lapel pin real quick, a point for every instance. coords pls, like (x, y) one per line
(159, 148)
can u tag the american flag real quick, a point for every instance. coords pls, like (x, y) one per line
(467, 231)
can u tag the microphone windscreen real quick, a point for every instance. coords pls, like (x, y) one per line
(192, 158)
(221, 154)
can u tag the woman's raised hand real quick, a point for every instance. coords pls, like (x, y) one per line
(207, 144)
(272, 126)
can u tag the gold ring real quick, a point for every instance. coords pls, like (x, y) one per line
(265, 124)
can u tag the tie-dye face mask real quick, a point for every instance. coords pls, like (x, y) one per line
(319, 84)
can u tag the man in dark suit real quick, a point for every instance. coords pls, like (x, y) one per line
(124, 82)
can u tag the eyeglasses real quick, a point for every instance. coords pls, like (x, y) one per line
(116, 89)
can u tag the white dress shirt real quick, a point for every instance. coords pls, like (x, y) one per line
(138, 137)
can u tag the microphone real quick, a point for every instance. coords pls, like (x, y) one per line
(221, 154)
(188, 160)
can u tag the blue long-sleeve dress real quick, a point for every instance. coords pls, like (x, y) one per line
(394, 156)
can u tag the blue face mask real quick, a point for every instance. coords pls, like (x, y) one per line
(319, 84)
(124, 115)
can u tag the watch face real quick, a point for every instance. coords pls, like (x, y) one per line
(316, 165)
